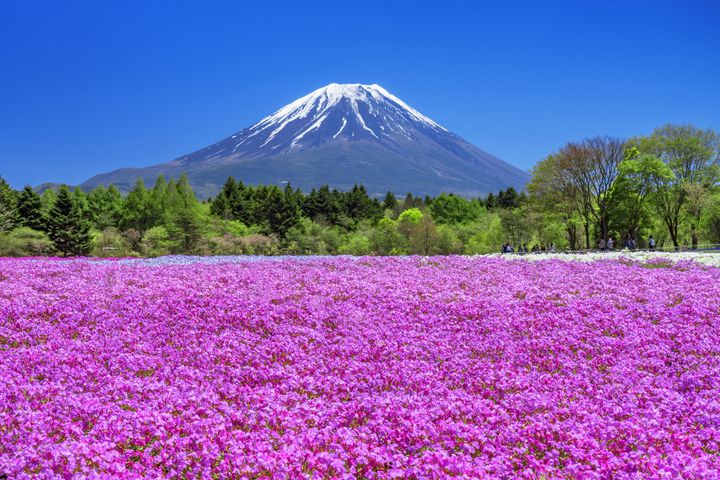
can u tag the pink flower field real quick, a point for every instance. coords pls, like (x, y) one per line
(359, 368)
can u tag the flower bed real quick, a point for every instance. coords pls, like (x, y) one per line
(359, 368)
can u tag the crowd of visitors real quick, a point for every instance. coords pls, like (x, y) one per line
(603, 245)
(523, 248)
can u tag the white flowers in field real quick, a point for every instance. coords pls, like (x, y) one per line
(710, 258)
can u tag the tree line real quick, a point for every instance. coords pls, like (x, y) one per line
(664, 184)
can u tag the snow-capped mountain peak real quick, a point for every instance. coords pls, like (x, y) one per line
(341, 134)
(352, 111)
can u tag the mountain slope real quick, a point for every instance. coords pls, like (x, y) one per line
(340, 135)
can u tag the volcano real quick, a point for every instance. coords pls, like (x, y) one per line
(340, 135)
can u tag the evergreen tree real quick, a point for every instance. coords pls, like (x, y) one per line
(30, 210)
(329, 205)
(491, 201)
(105, 206)
(184, 224)
(69, 230)
(80, 199)
(135, 213)
(282, 210)
(390, 201)
(8, 217)
(48, 201)
(222, 205)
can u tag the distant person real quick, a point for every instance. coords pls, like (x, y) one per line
(651, 242)
(601, 244)
(552, 248)
(525, 248)
(610, 243)
(633, 244)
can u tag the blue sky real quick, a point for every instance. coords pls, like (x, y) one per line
(87, 87)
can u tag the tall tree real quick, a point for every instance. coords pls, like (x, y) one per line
(283, 212)
(184, 224)
(554, 194)
(68, 228)
(693, 156)
(222, 204)
(135, 213)
(8, 214)
(635, 188)
(105, 206)
(592, 167)
(30, 210)
(390, 202)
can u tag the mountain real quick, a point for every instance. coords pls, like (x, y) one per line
(339, 135)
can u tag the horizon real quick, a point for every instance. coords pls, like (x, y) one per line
(92, 88)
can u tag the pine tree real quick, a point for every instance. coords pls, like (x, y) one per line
(68, 228)
(8, 213)
(135, 212)
(30, 210)
(282, 209)
(222, 205)
(184, 223)
(390, 201)
(105, 206)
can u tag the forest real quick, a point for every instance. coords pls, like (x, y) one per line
(664, 184)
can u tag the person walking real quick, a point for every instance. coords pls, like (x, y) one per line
(651, 242)
(601, 244)
(610, 243)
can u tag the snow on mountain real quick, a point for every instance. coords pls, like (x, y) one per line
(341, 134)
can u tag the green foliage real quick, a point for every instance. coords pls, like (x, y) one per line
(68, 229)
(111, 243)
(309, 237)
(157, 242)
(137, 211)
(411, 216)
(448, 241)
(385, 239)
(390, 202)
(489, 236)
(451, 209)
(24, 242)
(30, 210)
(356, 243)
(8, 214)
(105, 207)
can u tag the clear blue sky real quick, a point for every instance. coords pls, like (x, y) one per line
(87, 87)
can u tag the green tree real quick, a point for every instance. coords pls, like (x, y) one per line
(8, 214)
(451, 209)
(693, 156)
(30, 210)
(553, 197)
(634, 190)
(390, 202)
(386, 240)
(23, 242)
(515, 225)
(69, 230)
(184, 223)
(283, 212)
(136, 213)
(105, 206)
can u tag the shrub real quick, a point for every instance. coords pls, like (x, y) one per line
(23, 242)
